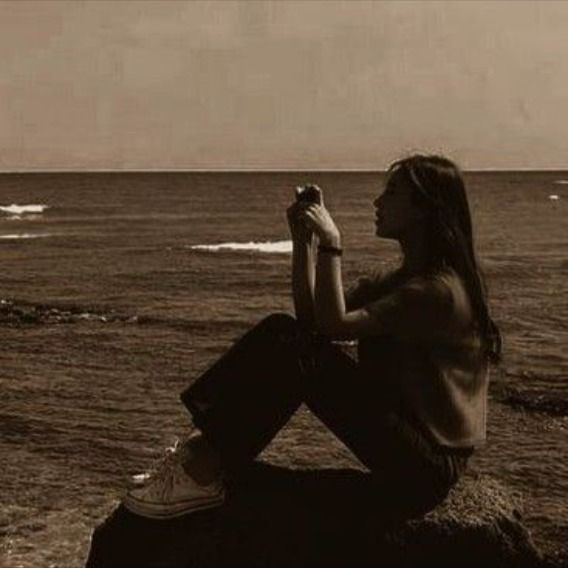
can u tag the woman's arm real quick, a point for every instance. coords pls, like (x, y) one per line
(329, 297)
(418, 311)
(303, 270)
(303, 280)
(330, 314)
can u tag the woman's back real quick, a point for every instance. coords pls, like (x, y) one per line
(431, 362)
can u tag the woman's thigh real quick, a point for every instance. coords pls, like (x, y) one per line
(347, 400)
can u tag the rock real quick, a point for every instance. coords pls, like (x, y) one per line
(30, 317)
(275, 516)
(23, 313)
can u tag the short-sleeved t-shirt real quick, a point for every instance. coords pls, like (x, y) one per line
(426, 354)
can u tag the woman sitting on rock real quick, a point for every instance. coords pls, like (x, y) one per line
(412, 407)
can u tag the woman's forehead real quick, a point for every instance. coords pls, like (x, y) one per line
(397, 179)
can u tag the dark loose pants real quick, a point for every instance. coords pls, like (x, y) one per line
(246, 397)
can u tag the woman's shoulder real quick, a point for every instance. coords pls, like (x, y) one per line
(444, 292)
(447, 286)
(368, 288)
(373, 279)
(432, 289)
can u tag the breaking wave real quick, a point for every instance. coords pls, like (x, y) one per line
(15, 209)
(277, 247)
(14, 236)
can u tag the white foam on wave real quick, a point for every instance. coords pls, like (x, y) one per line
(561, 182)
(14, 236)
(267, 246)
(15, 209)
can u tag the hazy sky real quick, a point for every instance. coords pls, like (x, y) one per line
(347, 84)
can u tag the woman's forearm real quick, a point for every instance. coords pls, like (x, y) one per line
(303, 281)
(329, 297)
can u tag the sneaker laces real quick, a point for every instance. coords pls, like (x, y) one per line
(166, 478)
(170, 456)
(165, 463)
(165, 473)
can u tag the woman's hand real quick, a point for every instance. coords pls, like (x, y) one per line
(300, 231)
(318, 218)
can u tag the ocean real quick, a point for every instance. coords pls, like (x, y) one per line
(118, 289)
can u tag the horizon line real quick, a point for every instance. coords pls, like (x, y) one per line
(255, 170)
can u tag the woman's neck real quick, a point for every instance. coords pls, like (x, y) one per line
(416, 253)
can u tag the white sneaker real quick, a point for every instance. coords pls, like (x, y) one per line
(172, 492)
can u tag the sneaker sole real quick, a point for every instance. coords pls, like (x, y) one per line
(159, 511)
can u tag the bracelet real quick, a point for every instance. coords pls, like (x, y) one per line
(335, 251)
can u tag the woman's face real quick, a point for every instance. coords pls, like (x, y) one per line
(397, 210)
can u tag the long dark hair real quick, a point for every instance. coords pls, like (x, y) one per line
(439, 185)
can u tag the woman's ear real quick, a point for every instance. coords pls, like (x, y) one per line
(423, 209)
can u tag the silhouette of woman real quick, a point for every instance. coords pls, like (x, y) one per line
(411, 406)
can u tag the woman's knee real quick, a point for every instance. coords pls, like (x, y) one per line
(279, 321)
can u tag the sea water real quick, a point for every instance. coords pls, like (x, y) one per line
(189, 261)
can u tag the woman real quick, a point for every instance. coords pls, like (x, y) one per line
(412, 407)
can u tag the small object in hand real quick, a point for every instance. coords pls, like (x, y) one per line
(309, 193)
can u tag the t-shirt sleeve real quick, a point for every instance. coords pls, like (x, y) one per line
(421, 310)
(360, 293)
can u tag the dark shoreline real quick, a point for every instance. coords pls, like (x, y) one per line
(530, 401)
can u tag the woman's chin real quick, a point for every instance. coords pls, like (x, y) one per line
(383, 232)
(379, 230)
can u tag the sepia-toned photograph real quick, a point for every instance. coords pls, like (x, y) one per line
(283, 283)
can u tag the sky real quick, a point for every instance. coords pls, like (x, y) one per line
(281, 85)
